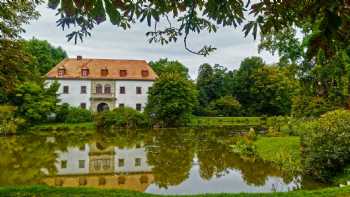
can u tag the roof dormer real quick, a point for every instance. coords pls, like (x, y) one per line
(84, 71)
(61, 71)
(123, 73)
(144, 73)
(104, 72)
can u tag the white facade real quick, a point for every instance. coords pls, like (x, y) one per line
(71, 162)
(74, 161)
(76, 98)
(131, 98)
(130, 157)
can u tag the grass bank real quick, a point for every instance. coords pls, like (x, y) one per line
(225, 121)
(283, 151)
(43, 191)
(64, 127)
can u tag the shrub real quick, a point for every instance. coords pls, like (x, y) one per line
(225, 106)
(62, 112)
(308, 106)
(121, 118)
(244, 147)
(78, 115)
(8, 122)
(68, 114)
(326, 145)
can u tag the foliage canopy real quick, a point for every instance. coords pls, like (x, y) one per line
(171, 100)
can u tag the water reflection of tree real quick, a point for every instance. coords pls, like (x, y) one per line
(170, 154)
(215, 157)
(23, 159)
(214, 154)
(122, 138)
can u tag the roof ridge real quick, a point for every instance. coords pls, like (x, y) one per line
(106, 59)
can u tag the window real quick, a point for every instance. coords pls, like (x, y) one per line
(121, 105)
(121, 180)
(64, 164)
(84, 72)
(123, 73)
(121, 162)
(102, 181)
(61, 72)
(81, 163)
(107, 89)
(144, 73)
(143, 179)
(83, 105)
(122, 90)
(96, 165)
(106, 164)
(98, 89)
(149, 89)
(138, 107)
(82, 89)
(65, 89)
(82, 181)
(138, 90)
(138, 162)
(58, 182)
(104, 72)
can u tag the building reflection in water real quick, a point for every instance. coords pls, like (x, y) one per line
(93, 165)
(156, 161)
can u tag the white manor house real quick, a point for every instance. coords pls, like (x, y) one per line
(103, 84)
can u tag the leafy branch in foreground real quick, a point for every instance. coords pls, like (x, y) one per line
(329, 19)
(84, 15)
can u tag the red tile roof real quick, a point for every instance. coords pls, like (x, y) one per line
(73, 69)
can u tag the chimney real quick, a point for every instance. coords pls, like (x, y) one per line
(79, 57)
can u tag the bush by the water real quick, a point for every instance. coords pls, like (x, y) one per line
(326, 144)
(68, 114)
(121, 118)
(225, 106)
(8, 122)
(309, 106)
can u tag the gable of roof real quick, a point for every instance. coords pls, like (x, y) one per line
(73, 69)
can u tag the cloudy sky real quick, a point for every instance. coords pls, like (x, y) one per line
(108, 41)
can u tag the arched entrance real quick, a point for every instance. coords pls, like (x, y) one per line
(102, 107)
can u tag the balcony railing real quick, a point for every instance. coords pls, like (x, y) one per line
(102, 95)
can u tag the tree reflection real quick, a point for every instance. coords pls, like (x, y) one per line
(25, 160)
(215, 157)
(170, 154)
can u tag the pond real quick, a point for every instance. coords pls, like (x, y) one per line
(166, 161)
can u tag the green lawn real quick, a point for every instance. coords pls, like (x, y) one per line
(43, 191)
(225, 121)
(283, 151)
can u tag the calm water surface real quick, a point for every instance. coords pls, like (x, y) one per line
(178, 161)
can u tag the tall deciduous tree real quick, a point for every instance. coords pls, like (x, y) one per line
(263, 89)
(171, 100)
(45, 56)
(164, 66)
(213, 83)
(34, 102)
(13, 67)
